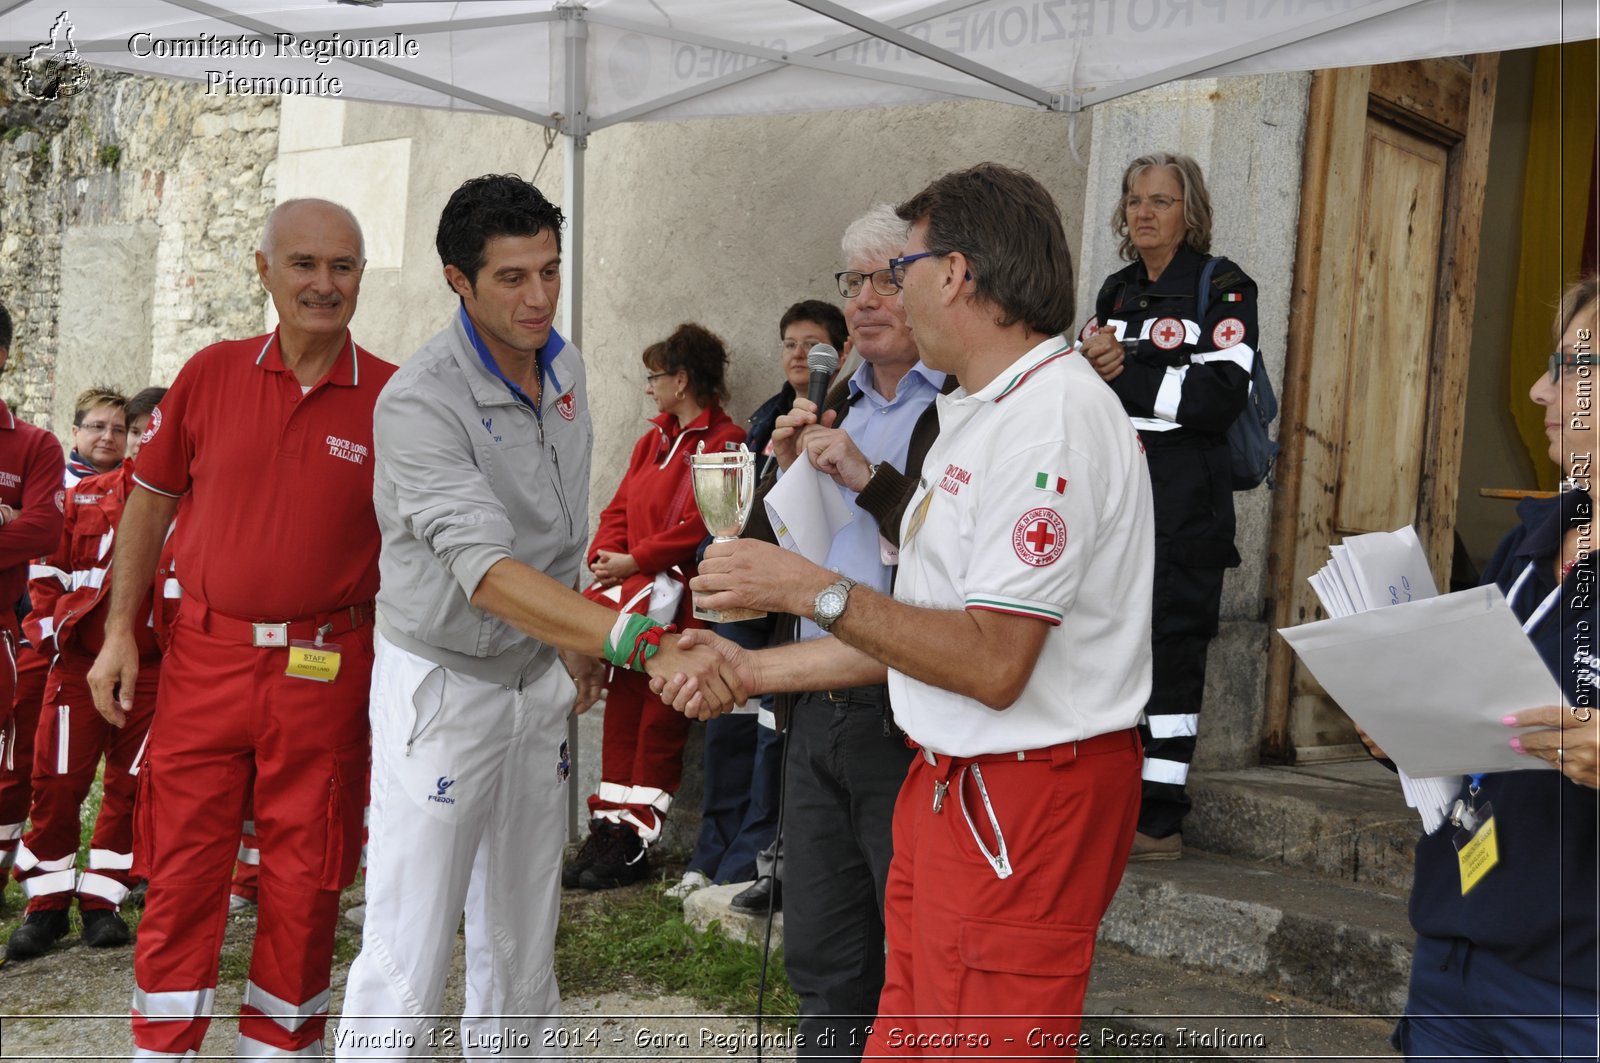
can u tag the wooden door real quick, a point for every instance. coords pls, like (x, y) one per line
(1375, 380)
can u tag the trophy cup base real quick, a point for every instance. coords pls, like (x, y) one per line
(727, 616)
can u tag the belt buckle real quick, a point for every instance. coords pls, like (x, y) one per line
(272, 636)
(838, 697)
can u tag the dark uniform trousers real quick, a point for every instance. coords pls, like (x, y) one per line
(846, 763)
(1193, 497)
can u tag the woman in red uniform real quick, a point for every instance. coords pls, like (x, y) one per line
(651, 527)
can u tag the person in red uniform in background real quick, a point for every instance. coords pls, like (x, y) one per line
(651, 525)
(99, 435)
(30, 525)
(69, 592)
(264, 687)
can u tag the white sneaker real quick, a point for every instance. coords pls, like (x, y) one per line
(691, 881)
(237, 904)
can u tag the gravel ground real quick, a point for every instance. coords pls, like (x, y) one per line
(72, 1004)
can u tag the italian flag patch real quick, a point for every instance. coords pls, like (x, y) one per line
(1045, 482)
(1233, 297)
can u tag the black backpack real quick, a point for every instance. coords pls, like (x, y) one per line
(1252, 446)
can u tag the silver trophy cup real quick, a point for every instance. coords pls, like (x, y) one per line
(724, 487)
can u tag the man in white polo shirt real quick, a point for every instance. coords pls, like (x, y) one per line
(1023, 665)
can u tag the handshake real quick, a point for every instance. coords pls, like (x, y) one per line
(702, 674)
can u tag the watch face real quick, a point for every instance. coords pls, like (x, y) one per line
(832, 604)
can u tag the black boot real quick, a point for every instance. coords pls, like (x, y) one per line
(603, 837)
(103, 928)
(39, 930)
(626, 863)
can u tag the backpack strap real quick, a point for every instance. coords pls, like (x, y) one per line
(1203, 296)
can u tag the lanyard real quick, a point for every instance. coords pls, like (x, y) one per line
(1537, 616)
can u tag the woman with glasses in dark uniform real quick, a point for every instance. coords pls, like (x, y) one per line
(1174, 334)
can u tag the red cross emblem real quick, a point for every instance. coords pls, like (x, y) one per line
(1167, 333)
(1090, 327)
(1039, 537)
(567, 406)
(1229, 330)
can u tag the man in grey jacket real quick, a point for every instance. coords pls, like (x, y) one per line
(481, 489)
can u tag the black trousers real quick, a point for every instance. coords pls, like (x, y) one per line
(846, 762)
(1188, 600)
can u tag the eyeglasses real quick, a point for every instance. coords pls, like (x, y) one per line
(102, 427)
(1560, 360)
(897, 266)
(802, 346)
(1159, 204)
(651, 378)
(851, 282)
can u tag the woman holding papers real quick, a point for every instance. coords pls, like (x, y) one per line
(651, 525)
(1504, 903)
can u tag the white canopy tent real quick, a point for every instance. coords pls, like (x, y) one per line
(578, 68)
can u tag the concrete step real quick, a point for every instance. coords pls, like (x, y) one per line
(1338, 945)
(703, 907)
(1149, 1009)
(1347, 821)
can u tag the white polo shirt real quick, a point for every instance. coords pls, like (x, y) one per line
(1035, 500)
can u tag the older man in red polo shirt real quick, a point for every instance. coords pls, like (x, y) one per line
(264, 690)
(30, 524)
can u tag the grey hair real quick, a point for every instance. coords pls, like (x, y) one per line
(880, 231)
(1196, 201)
(270, 229)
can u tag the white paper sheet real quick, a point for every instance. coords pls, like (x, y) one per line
(1429, 680)
(1390, 567)
(807, 511)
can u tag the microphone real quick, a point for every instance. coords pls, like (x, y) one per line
(823, 361)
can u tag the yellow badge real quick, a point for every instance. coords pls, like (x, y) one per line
(918, 515)
(309, 660)
(1477, 850)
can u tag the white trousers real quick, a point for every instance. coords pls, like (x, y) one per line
(468, 800)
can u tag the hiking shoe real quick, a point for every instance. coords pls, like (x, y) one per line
(625, 863)
(755, 898)
(39, 930)
(103, 928)
(691, 881)
(603, 837)
(1146, 848)
(238, 903)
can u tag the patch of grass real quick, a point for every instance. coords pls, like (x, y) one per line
(110, 155)
(637, 939)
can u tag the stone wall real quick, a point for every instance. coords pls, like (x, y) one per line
(128, 219)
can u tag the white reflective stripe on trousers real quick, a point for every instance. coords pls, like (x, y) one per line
(250, 1048)
(175, 1005)
(110, 860)
(1168, 771)
(290, 1016)
(1177, 725)
(102, 886)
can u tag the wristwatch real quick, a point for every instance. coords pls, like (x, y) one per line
(830, 604)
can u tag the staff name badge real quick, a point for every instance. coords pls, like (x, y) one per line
(317, 661)
(1477, 847)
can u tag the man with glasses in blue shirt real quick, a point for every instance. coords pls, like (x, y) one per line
(846, 758)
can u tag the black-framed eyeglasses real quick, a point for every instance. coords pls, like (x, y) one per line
(897, 266)
(1560, 360)
(852, 281)
(651, 378)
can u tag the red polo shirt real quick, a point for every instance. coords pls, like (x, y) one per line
(279, 524)
(31, 467)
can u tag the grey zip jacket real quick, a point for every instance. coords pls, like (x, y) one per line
(465, 474)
